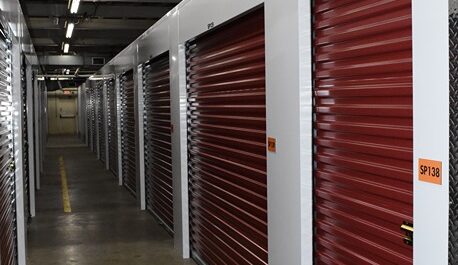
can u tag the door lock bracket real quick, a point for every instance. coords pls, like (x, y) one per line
(407, 228)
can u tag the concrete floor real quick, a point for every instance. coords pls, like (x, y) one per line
(105, 225)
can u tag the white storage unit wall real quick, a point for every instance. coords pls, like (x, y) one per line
(205, 209)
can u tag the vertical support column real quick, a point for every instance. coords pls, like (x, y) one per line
(18, 157)
(105, 125)
(37, 143)
(431, 129)
(141, 137)
(289, 122)
(30, 118)
(118, 124)
(178, 101)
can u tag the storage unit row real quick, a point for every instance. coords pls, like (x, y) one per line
(20, 133)
(291, 132)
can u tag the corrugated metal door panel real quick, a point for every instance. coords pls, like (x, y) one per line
(112, 127)
(88, 116)
(363, 128)
(101, 120)
(8, 225)
(453, 141)
(227, 143)
(129, 168)
(158, 139)
(93, 119)
(25, 140)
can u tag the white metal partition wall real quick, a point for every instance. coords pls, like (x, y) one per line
(36, 109)
(178, 106)
(289, 94)
(431, 128)
(140, 141)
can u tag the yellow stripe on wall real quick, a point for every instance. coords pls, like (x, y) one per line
(64, 183)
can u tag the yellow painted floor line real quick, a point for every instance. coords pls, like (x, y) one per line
(63, 179)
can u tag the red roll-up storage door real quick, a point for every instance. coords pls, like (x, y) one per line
(8, 222)
(363, 123)
(93, 127)
(25, 139)
(158, 139)
(227, 143)
(101, 120)
(112, 127)
(89, 116)
(129, 165)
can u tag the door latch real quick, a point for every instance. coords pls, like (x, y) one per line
(407, 228)
(12, 167)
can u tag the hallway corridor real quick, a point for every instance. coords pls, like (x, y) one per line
(104, 226)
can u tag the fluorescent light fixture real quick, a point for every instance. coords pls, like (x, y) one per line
(74, 7)
(66, 47)
(95, 78)
(70, 28)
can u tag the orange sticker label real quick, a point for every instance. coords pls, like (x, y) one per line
(430, 171)
(272, 144)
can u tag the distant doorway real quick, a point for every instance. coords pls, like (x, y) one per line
(63, 112)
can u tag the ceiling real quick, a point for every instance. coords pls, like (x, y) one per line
(103, 28)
